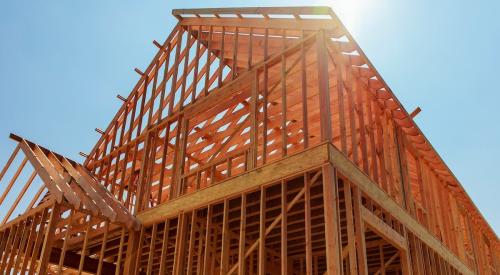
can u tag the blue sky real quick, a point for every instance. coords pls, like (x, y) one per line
(63, 62)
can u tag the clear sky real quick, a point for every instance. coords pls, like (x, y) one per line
(63, 62)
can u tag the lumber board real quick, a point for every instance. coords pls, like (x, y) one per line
(317, 10)
(365, 184)
(288, 166)
(287, 24)
(383, 229)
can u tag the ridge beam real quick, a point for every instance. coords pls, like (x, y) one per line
(276, 23)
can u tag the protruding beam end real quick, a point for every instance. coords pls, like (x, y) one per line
(139, 71)
(157, 44)
(415, 112)
(121, 98)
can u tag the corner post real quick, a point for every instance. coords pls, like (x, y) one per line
(324, 93)
(332, 228)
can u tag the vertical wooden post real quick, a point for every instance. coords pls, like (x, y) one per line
(131, 254)
(185, 67)
(234, 69)
(359, 228)
(284, 227)
(201, 241)
(175, 66)
(403, 166)
(307, 221)
(265, 99)
(83, 253)
(352, 120)
(303, 86)
(143, 174)
(456, 228)
(221, 61)
(103, 247)
(178, 266)
(49, 238)
(340, 94)
(359, 109)
(67, 235)
(192, 236)
(284, 130)
(254, 125)
(225, 242)
(382, 259)
(120, 252)
(262, 233)
(351, 239)
(405, 256)
(208, 235)
(241, 244)
(475, 247)
(179, 158)
(196, 65)
(163, 161)
(152, 246)
(332, 232)
(323, 86)
(164, 247)
(422, 189)
(415, 252)
(147, 198)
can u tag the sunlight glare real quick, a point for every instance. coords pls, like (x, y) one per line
(351, 12)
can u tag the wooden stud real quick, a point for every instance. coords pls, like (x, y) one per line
(225, 242)
(307, 220)
(284, 226)
(164, 247)
(262, 233)
(323, 86)
(208, 244)
(332, 233)
(103, 247)
(242, 239)
(84, 247)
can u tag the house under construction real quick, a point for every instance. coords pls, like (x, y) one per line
(257, 141)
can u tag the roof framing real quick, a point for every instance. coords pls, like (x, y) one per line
(254, 135)
(302, 18)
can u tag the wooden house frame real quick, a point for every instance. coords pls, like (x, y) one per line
(257, 141)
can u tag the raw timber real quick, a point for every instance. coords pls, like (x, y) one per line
(257, 141)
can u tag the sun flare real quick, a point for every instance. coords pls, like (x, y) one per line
(351, 12)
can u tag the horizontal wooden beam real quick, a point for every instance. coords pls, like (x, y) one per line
(320, 10)
(72, 261)
(276, 23)
(371, 189)
(253, 179)
(383, 230)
